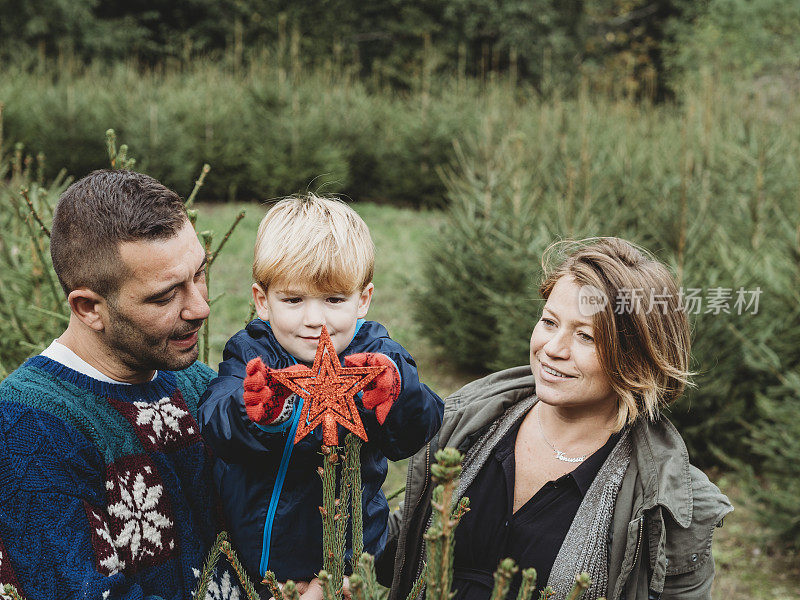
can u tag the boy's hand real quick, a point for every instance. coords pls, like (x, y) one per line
(264, 396)
(381, 392)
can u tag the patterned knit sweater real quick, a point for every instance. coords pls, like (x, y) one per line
(105, 489)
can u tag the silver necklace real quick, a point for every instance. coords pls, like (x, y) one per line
(559, 454)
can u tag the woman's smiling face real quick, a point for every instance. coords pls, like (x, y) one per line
(564, 358)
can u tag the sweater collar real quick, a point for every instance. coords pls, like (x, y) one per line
(163, 385)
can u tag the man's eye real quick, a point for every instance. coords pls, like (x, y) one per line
(166, 299)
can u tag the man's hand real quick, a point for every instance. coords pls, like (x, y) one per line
(381, 392)
(264, 396)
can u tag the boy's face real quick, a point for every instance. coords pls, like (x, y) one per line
(297, 314)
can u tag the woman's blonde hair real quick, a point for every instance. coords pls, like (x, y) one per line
(640, 328)
(314, 242)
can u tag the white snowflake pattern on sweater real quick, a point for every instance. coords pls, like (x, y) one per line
(220, 588)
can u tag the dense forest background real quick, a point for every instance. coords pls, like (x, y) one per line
(471, 134)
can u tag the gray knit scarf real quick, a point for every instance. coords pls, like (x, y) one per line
(584, 547)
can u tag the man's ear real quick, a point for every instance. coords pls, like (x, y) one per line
(364, 300)
(89, 307)
(260, 300)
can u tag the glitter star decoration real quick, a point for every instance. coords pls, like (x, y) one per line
(329, 391)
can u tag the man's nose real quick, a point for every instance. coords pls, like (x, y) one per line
(196, 308)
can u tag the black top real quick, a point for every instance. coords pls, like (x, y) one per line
(532, 536)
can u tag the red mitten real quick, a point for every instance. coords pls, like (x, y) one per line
(381, 392)
(265, 398)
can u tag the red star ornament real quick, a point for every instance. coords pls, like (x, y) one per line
(329, 391)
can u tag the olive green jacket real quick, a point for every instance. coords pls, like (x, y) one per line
(664, 516)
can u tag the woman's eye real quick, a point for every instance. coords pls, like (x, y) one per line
(548, 322)
(585, 337)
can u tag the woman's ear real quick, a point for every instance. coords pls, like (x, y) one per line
(364, 300)
(260, 300)
(89, 307)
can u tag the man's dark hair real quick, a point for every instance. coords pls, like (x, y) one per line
(96, 214)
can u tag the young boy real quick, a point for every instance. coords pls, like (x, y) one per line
(313, 267)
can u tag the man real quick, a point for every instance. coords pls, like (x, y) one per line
(105, 484)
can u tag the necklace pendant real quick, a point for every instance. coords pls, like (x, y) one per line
(561, 456)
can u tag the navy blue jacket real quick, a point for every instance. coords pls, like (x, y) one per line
(270, 488)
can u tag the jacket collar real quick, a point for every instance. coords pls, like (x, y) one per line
(663, 463)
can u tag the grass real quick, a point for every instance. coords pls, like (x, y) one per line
(747, 569)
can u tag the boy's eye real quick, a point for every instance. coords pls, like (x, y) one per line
(336, 299)
(292, 300)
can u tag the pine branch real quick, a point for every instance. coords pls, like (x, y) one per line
(528, 584)
(207, 236)
(236, 221)
(395, 494)
(123, 160)
(341, 518)
(290, 591)
(502, 578)
(439, 536)
(582, 583)
(209, 567)
(247, 585)
(111, 146)
(328, 593)
(50, 313)
(19, 324)
(358, 588)
(416, 589)
(547, 593)
(11, 592)
(328, 509)
(460, 510)
(273, 585)
(353, 444)
(365, 569)
(36, 238)
(197, 185)
(24, 193)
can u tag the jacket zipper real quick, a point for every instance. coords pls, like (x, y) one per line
(276, 490)
(638, 542)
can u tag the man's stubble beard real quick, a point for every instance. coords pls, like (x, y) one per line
(142, 352)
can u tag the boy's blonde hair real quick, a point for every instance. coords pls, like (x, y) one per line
(314, 242)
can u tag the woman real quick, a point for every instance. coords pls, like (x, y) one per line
(572, 468)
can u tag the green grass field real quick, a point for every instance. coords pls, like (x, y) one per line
(746, 568)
